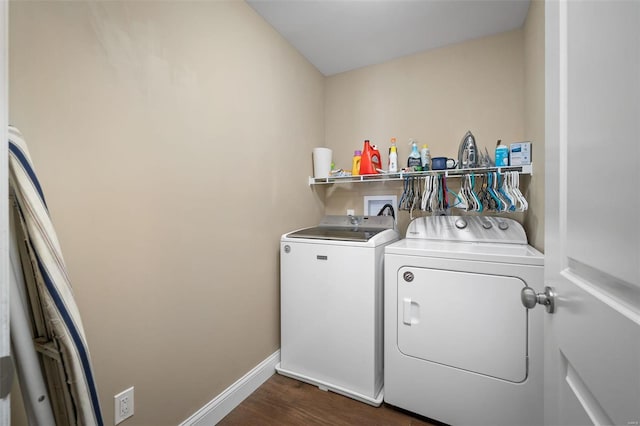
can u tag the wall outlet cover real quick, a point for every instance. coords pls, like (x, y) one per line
(124, 405)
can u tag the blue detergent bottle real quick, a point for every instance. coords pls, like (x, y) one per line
(502, 154)
(414, 159)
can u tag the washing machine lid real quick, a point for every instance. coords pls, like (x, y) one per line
(483, 229)
(346, 228)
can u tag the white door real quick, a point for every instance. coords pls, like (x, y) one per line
(592, 236)
(4, 209)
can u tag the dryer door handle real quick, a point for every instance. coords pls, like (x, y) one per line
(410, 311)
(406, 314)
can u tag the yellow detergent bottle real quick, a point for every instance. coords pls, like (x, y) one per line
(355, 169)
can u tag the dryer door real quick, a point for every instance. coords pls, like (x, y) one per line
(470, 321)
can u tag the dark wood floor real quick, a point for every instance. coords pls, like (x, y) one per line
(284, 401)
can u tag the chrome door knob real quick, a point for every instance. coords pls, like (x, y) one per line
(530, 298)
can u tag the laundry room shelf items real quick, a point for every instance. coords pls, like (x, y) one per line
(526, 170)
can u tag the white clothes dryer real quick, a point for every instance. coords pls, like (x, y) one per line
(460, 347)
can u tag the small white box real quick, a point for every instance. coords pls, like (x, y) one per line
(520, 154)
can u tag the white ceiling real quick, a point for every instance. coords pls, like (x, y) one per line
(342, 35)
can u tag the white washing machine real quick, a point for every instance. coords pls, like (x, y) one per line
(460, 347)
(331, 304)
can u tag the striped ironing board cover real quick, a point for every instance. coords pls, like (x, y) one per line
(68, 371)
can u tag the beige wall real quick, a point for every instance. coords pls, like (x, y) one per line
(435, 97)
(534, 119)
(173, 142)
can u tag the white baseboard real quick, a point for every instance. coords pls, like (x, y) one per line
(230, 398)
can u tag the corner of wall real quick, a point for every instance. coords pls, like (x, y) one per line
(534, 119)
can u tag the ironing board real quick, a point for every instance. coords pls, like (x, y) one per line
(45, 293)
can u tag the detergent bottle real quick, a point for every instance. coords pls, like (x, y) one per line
(370, 161)
(502, 154)
(357, 157)
(376, 158)
(414, 159)
(393, 157)
(425, 158)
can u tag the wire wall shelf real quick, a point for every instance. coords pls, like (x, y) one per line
(388, 177)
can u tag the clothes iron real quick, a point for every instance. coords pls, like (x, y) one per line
(468, 152)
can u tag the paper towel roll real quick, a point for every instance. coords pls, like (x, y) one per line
(321, 162)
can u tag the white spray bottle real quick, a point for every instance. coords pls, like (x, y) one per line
(393, 157)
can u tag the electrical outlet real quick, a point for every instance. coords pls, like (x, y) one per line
(350, 212)
(123, 405)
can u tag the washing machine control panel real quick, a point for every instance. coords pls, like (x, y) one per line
(461, 223)
(481, 229)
